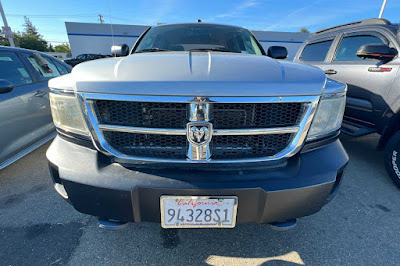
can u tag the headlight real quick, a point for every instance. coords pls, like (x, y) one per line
(328, 117)
(67, 114)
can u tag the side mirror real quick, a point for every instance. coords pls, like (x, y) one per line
(378, 51)
(5, 86)
(120, 50)
(277, 52)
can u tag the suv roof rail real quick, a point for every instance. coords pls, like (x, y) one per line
(370, 21)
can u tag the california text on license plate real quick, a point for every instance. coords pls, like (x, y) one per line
(198, 212)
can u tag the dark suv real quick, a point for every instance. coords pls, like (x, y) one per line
(363, 54)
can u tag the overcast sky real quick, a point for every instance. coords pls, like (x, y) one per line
(274, 15)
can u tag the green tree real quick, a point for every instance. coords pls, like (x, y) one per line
(304, 30)
(30, 29)
(50, 48)
(33, 42)
(3, 40)
(29, 38)
(62, 48)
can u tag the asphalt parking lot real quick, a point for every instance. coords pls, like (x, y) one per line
(359, 227)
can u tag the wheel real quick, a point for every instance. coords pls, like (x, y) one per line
(392, 158)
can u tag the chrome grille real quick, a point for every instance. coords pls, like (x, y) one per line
(153, 128)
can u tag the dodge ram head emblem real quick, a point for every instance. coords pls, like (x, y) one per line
(199, 133)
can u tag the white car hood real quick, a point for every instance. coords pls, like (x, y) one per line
(193, 74)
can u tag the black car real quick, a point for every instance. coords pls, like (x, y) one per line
(83, 58)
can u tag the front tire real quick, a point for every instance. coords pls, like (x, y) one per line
(392, 158)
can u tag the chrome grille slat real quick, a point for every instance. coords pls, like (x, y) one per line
(143, 130)
(216, 132)
(226, 152)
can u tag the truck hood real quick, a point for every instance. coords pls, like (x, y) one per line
(193, 74)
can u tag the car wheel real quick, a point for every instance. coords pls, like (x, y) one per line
(392, 158)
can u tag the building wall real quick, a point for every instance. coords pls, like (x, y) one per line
(290, 40)
(97, 38)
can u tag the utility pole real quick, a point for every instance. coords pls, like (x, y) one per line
(101, 18)
(6, 29)
(383, 8)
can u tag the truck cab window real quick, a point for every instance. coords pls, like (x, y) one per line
(349, 46)
(316, 52)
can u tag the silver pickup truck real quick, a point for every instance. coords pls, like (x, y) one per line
(197, 127)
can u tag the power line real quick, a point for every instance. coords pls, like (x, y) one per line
(72, 16)
(51, 16)
(46, 16)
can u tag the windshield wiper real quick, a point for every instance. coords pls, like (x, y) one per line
(210, 49)
(149, 50)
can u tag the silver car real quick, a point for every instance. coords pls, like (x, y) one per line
(364, 55)
(25, 118)
(197, 127)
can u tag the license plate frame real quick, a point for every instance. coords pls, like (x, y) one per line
(221, 225)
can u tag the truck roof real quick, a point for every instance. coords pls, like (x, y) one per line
(198, 23)
(371, 21)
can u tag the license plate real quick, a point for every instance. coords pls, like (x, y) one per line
(198, 212)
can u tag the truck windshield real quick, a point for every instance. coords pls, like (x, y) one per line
(199, 37)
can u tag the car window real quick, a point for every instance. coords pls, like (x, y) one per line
(13, 70)
(81, 56)
(316, 52)
(44, 75)
(350, 45)
(63, 69)
(51, 65)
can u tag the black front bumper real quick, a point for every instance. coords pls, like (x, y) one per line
(266, 193)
